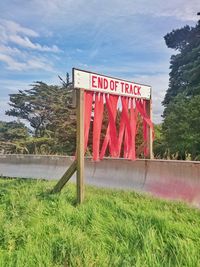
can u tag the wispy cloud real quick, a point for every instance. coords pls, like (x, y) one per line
(88, 11)
(11, 63)
(15, 33)
(14, 28)
(15, 57)
(30, 63)
(26, 43)
(9, 50)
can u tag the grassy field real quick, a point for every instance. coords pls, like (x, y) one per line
(111, 228)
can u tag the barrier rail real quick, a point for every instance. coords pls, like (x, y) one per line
(178, 180)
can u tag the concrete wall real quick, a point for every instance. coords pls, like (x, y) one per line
(162, 178)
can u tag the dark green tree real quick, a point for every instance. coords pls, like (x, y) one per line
(159, 145)
(49, 111)
(12, 137)
(11, 131)
(181, 126)
(185, 65)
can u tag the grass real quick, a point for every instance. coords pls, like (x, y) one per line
(111, 228)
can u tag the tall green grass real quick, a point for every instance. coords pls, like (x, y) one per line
(111, 228)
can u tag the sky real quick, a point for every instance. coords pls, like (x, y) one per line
(40, 40)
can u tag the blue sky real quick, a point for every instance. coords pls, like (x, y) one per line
(40, 40)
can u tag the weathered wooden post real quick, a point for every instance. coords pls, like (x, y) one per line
(78, 164)
(80, 144)
(150, 130)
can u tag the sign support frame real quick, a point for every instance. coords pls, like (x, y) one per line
(78, 165)
(80, 176)
(150, 131)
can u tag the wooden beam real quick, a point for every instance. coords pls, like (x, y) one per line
(150, 132)
(80, 145)
(65, 178)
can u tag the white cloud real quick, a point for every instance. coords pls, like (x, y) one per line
(30, 64)
(9, 50)
(15, 33)
(16, 58)
(11, 63)
(26, 43)
(14, 28)
(182, 10)
(96, 11)
(39, 63)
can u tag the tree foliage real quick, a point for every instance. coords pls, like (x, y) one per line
(181, 126)
(12, 136)
(13, 130)
(52, 119)
(185, 65)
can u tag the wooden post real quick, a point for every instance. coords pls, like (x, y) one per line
(80, 145)
(65, 178)
(150, 132)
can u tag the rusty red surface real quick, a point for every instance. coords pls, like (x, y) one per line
(176, 189)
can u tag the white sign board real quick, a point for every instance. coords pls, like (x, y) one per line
(104, 84)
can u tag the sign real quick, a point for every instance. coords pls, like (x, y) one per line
(105, 84)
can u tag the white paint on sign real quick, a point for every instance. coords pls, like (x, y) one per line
(104, 84)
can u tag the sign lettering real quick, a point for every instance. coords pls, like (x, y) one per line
(100, 83)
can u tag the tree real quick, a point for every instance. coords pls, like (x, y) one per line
(36, 105)
(185, 65)
(48, 110)
(159, 145)
(11, 131)
(12, 137)
(181, 126)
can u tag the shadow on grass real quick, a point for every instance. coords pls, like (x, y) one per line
(48, 195)
(43, 193)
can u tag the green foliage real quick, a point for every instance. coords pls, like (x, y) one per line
(159, 145)
(185, 66)
(12, 137)
(179, 39)
(48, 110)
(139, 138)
(181, 127)
(111, 228)
(13, 130)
